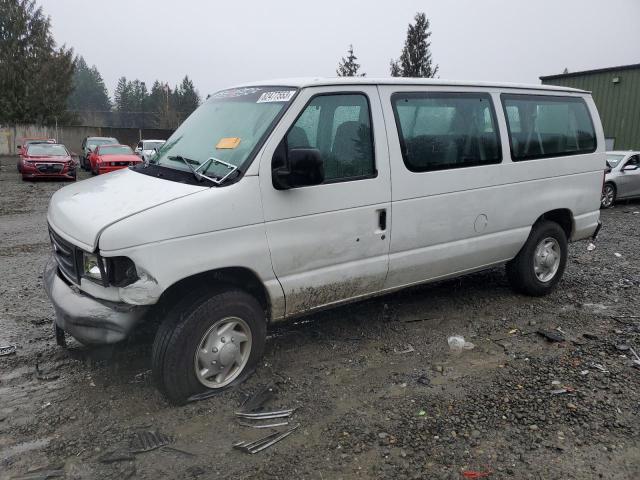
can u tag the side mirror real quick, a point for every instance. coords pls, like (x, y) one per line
(305, 168)
(629, 168)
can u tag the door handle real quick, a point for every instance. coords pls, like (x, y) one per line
(382, 219)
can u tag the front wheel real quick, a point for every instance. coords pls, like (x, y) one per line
(539, 265)
(608, 195)
(208, 341)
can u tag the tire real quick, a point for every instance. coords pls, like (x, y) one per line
(549, 237)
(185, 327)
(608, 195)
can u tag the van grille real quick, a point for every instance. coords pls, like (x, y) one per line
(66, 255)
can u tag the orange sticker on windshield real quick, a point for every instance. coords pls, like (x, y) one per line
(228, 142)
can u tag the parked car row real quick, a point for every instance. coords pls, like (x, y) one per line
(46, 158)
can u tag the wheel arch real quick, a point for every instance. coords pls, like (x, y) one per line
(561, 216)
(241, 278)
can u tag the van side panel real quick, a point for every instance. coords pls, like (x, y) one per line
(461, 219)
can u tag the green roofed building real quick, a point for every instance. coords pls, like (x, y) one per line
(616, 91)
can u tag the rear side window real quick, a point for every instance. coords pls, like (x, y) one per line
(339, 126)
(440, 130)
(542, 126)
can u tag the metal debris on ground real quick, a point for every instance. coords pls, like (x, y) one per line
(264, 442)
(252, 410)
(147, 441)
(266, 415)
(591, 247)
(551, 335)
(409, 348)
(7, 350)
(267, 425)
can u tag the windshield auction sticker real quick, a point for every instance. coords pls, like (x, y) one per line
(276, 96)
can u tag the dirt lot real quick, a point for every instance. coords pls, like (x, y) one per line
(365, 409)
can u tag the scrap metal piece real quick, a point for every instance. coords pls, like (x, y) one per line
(266, 415)
(258, 425)
(264, 442)
(7, 350)
(147, 441)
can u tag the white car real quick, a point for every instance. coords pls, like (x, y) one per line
(274, 200)
(146, 149)
(623, 177)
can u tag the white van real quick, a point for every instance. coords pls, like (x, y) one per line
(276, 199)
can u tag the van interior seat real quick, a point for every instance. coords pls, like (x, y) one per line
(297, 138)
(345, 148)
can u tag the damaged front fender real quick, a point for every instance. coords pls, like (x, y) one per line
(87, 319)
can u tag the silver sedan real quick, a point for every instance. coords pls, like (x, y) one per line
(622, 180)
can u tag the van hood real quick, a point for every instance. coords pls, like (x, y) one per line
(81, 211)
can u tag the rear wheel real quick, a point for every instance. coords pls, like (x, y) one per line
(208, 341)
(608, 195)
(539, 265)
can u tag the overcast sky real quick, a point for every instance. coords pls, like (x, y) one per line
(220, 43)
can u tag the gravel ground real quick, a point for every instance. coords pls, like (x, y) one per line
(367, 406)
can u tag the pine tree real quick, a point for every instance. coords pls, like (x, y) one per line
(187, 97)
(122, 95)
(89, 91)
(348, 66)
(415, 60)
(35, 76)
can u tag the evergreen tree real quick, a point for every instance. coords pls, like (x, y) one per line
(35, 76)
(137, 95)
(415, 60)
(122, 95)
(394, 67)
(89, 91)
(186, 97)
(348, 66)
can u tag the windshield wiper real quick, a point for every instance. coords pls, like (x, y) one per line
(204, 166)
(188, 162)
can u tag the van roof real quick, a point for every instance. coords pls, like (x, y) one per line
(319, 81)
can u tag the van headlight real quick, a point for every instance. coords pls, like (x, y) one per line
(93, 267)
(114, 271)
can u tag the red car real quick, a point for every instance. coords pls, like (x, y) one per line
(22, 149)
(46, 160)
(107, 158)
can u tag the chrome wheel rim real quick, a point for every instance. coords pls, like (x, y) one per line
(607, 196)
(222, 352)
(546, 259)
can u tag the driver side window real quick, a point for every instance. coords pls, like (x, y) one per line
(339, 127)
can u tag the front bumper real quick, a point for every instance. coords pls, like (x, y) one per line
(87, 319)
(68, 173)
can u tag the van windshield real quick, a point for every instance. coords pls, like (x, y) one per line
(229, 126)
